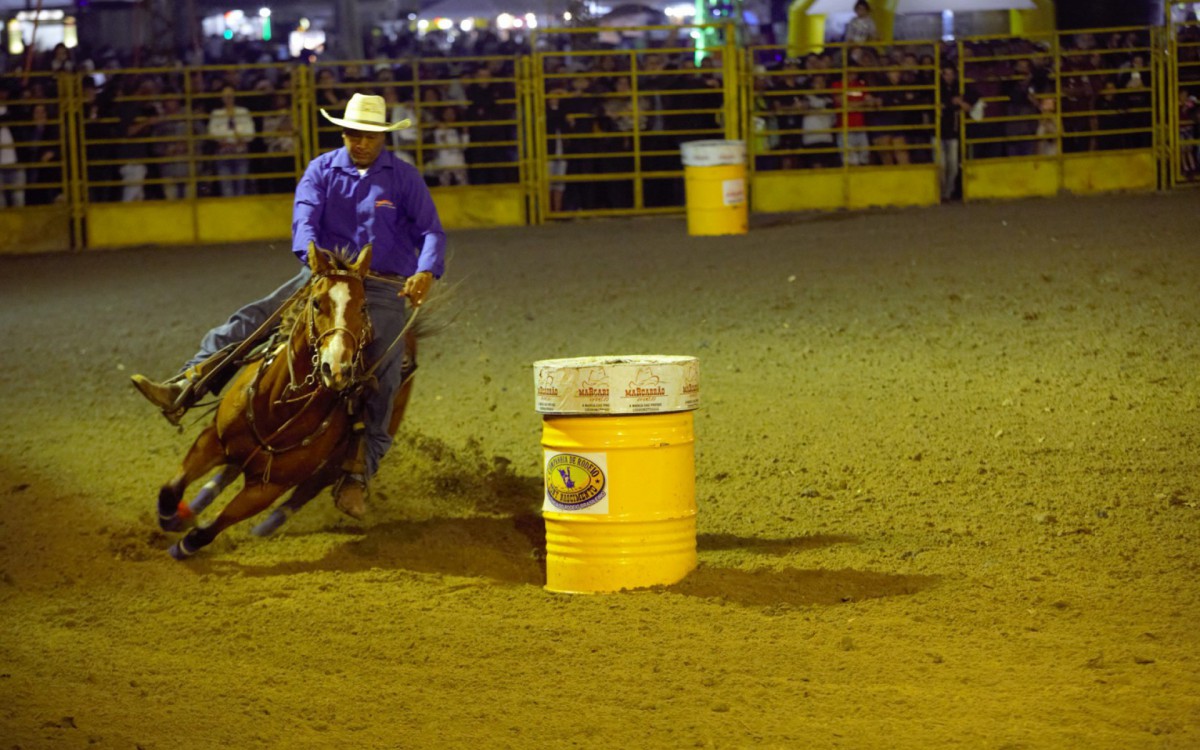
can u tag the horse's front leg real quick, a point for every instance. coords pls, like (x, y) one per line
(205, 455)
(254, 498)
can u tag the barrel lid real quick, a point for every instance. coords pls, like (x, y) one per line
(628, 384)
(712, 153)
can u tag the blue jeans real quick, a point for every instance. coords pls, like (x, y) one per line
(388, 315)
(232, 174)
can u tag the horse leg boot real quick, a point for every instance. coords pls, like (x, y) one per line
(350, 490)
(205, 455)
(251, 500)
(180, 393)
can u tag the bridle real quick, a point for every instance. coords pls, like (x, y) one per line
(315, 337)
(310, 387)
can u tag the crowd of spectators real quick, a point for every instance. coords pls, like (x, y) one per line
(871, 105)
(877, 104)
(175, 128)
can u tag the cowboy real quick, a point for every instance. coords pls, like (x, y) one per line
(357, 195)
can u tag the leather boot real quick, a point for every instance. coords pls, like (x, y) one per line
(169, 396)
(175, 396)
(350, 492)
(350, 495)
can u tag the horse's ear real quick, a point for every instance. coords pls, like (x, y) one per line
(362, 263)
(316, 258)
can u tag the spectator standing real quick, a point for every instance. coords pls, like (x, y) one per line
(861, 28)
(955, 104)
(44, 178)
(232, 128)
(485, 96)
(1047, 129)
(660, 150)
(765, 120)
(556, 128)
(1078, 105)
(279, 139)
(581, 109)
(328, 97)
(138, 117)
(258, 102)
(889, 144)
(1189, 126)
(61, 60)
(817, 124)
(404, 142)
(625, 115)
(96, 130)
(1135, 85)
(851, 137)
(449, 161)
(12, 175)
(1022, 103)
(173, 126)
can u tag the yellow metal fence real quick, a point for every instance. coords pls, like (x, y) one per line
(852, 125)
(608, 122)
(579, 128)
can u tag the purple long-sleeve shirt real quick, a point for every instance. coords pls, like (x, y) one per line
(389, 207)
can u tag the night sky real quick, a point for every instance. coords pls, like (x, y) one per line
(1104, 13)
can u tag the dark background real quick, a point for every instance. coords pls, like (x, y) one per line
(1082, 14)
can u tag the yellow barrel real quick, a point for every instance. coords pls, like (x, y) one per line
(620, 505)
(715, 184)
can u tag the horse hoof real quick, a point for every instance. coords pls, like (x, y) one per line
(171, 523)
(272, 524)
(178, 551)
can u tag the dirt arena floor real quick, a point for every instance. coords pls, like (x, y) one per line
(948, 480)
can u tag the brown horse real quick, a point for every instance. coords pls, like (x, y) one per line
(286, 419)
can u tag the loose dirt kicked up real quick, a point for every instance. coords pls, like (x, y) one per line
(948, 479)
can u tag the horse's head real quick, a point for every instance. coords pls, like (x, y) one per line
(338, 328)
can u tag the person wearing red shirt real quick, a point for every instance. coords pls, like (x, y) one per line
(852, 139)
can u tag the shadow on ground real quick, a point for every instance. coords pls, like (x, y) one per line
(510, 550)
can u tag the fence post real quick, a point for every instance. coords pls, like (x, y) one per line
(70, 89)
(305, 114)
(733, 109)
(530, 93)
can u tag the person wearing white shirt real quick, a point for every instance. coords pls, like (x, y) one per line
(861, 28)
(449, 161)
(12, 177)
(404, 142)
(232, 128)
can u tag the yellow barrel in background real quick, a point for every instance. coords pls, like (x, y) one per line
(620, 479)
(715, 185)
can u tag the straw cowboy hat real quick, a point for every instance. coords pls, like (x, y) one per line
(366, 112)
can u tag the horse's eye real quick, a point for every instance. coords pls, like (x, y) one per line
(316, 303)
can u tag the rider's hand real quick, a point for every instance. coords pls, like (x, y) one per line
(417, 287)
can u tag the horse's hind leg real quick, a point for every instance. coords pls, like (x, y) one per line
(211, 489)
(254, 498)
(300, 496)
(204, 456)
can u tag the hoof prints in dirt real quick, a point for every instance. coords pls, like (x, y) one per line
(137, 544)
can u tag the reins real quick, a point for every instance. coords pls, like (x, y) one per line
(313, 339)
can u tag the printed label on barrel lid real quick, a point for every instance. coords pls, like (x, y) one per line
(640, 384)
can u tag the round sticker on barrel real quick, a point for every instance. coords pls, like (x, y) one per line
(576, 482)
